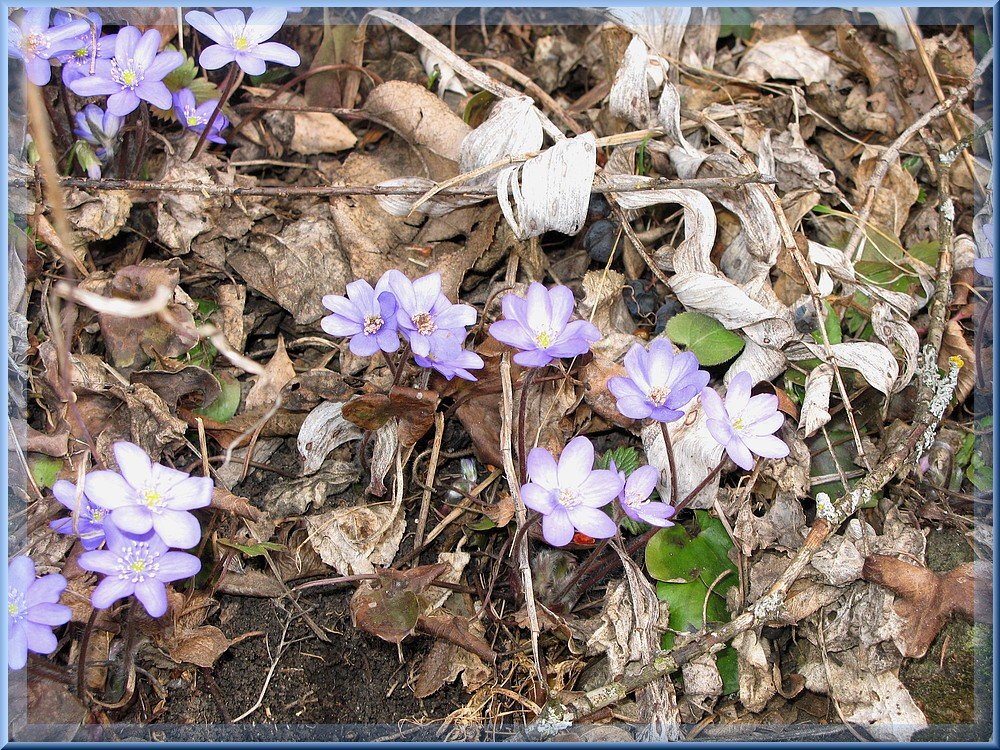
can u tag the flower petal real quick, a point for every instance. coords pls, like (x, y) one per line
(264, 23)
(515, 308)
(207, 25)
(660, 362)
(17, 647)
(124, 103)
(128, 38)
(592, 522)
(110, 590)
(21, 572)
(557, 529)
(541, 467)
(50, 614)
(740, 454)
(99, 561)
(456, 316)
(216, 56)
(177, 565)
(40, 637)
(163, 64)
(45, 590)
(711, 402)
(576, 463)
(108, 489)
(637, 367)
(539, 308)
(177, 528)
(154, 92)
(738, 394)
(153, 595)
(132, 519)
(538, 498)
(146, 49)
(191, 493)
(512, 333)
(94, 85)
(600, 488)
(562, 304)
(233, 23)
(767, 446)
(133, 463)
(533, 358)
(279, 53)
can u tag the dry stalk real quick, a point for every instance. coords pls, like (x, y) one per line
(425, 500)
(521, 512)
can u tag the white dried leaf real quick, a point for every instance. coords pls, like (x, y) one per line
(447, 80)
(323, 430)
(660, 27)
(629, 97)
(686, 158)
(816, 402)
(790, 57)
(700, 225)
(875, 363)
(514, 127)
(386, 442)
(891, 330)
(552, 191)
(719, 298)
(355, 540)
(402, 205)
(694, 445)
(756, 681)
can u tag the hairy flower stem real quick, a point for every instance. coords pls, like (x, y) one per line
(567, 595)
(232, 82)
(140, 147)
(81, 668)
(670, 461)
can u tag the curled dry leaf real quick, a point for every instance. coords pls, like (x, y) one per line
(816, 402)
(550, 192)
(294, 497)
(323, 430)
(925, 599)
(413, 407)
(355, 540)
(389, 607)
(402, 205)
(97, 215)
(629, 97)
(875, 363)
(277, 374)
(512, 128)
(172, 386)
(790, 57)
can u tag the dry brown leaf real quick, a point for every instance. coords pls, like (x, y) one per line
(953, 344)
(277, 374)
(925, 599)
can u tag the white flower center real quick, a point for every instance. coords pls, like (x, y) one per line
(33, 44)
(424, 323)
(151, 499)
(658, 396)
(136, 562)
(192, 118)
(126, 77)
(545, 338)
(738, 424)
(373, 324)
(633, 500)
(242, 44)
(17, 606)
(568, 499)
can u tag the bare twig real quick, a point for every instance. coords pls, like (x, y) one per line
(279, 652)
(521, 513)
(425, 501)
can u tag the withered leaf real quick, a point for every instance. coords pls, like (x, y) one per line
(413, 407)
(926, 599)
(389, 607)
(172, 386)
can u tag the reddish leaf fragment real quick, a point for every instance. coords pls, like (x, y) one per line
(389, 607)
(413, 407)
(926, 599)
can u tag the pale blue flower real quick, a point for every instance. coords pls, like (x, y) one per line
(241, 40)
(659, 383)
(569, 494)
(30, 39)
(33, 609)
(367, 315)
(744, 424)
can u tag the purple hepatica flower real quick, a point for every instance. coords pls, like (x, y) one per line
(87, 523)
(367, 315)
(76, 62)
(659, 383)
(100, 129)
(135, 73)
(424, 313)
(241, 39)
(137, 564)
(569, 495)
(33, 609)
(449, 358)
(31, 40)
(539, 325)
(195, 118)
(744, 425)
(634, 497)
(150, 496)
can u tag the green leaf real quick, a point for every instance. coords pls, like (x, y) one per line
(44, 469)
(832, 325)
(728, 662)
(711, 343)
(626, 458)
(182, 76)
(672, 555)
(224, 407)
(256, 550)
(735, 22)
